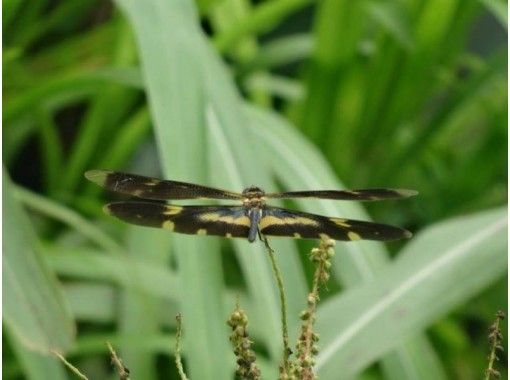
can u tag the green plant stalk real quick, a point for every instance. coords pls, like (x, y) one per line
(51, 149)
(283, 303)
(178, 336)
(117, 362)
(495, 338)
(261, 19)
(73, 369)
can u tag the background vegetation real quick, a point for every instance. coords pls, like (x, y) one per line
(291, 94)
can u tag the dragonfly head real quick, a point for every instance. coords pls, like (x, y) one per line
(253, 192)
(253, 197)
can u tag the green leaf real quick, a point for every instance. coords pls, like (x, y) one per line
(34, 308)
(68, 216)
(106, 110)
(172, 71)
(91, 302)
(68, 85)
(441, 268)
(35, 365)
(137, 312)
(336, 20)
(262, 18)
(390, 15)
(274, 85)
(81, 263)
(283, 51)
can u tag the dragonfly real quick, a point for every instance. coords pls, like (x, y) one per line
(249, 218)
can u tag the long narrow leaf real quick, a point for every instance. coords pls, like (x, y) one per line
(444, 266)
(36, 366)
(88, 264)
(168, 39)
(34, 307)
(137, 312)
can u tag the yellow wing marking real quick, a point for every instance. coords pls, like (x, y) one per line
(152, 182)
(168, 225)
(271, 220)
(172, 210)
(98, 176)
(201, 231)
(353, 236)
(340, 222)
(229, 219)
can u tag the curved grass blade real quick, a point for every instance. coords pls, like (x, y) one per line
(443, 267)
(34, 308)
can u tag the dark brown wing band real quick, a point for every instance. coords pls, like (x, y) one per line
(225, 221)
(281, 222)
(347, 195)
(153, 188)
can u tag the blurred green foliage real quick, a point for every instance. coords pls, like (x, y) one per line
(391, 93)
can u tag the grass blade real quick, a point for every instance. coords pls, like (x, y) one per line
(35, 366)
(173, 80)
(70, 217)
(34, 307)
(151, 279)
(260, 20)
(441, 268)
(138, 312)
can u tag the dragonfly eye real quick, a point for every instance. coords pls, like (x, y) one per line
(253, 191)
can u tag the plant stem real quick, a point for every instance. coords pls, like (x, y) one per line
(306, 346)
(121, 368)
(75, 370)
(283, 305)
(495, 338)
(178, 361)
